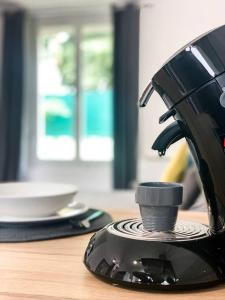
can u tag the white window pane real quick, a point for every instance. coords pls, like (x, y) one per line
(96, 141)
(56, 94)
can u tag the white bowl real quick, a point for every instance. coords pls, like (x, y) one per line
(31, 199)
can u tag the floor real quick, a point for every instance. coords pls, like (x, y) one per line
(108, 200)
(94, 182)
(91, 176)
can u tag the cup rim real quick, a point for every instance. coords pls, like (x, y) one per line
(160, 184)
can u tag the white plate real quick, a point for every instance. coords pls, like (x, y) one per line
(72, 210)
(31, 199)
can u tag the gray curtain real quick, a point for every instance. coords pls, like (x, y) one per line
(126, 61)
(11, 95)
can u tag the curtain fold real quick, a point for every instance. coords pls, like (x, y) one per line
(126, 65)
(11, 94)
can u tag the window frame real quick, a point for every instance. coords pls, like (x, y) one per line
(29, 147)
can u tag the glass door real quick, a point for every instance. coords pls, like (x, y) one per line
(56, 99)
(96, 139)
(74, 93)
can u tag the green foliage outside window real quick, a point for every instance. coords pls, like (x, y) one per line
(96, 82)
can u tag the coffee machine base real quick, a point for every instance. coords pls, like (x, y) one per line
(124, 253)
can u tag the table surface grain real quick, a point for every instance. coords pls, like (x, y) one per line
(54, 270)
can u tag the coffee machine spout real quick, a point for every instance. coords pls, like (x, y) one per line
(168, 136)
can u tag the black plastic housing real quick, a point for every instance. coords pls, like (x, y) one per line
(192, 83)
(157, 264)
(191, 67)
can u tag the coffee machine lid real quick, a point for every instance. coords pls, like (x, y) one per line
(194, 65)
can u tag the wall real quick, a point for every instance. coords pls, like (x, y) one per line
(166, 26)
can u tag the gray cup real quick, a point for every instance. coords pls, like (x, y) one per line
(158, 203)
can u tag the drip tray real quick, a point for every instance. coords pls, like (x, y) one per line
(124, 253)
(184, 230)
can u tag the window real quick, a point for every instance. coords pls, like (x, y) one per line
(56, 129)
(74, 111)
(96, 97)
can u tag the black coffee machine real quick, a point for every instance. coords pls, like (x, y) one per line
(190, 255)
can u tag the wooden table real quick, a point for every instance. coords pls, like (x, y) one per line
(54, 270)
